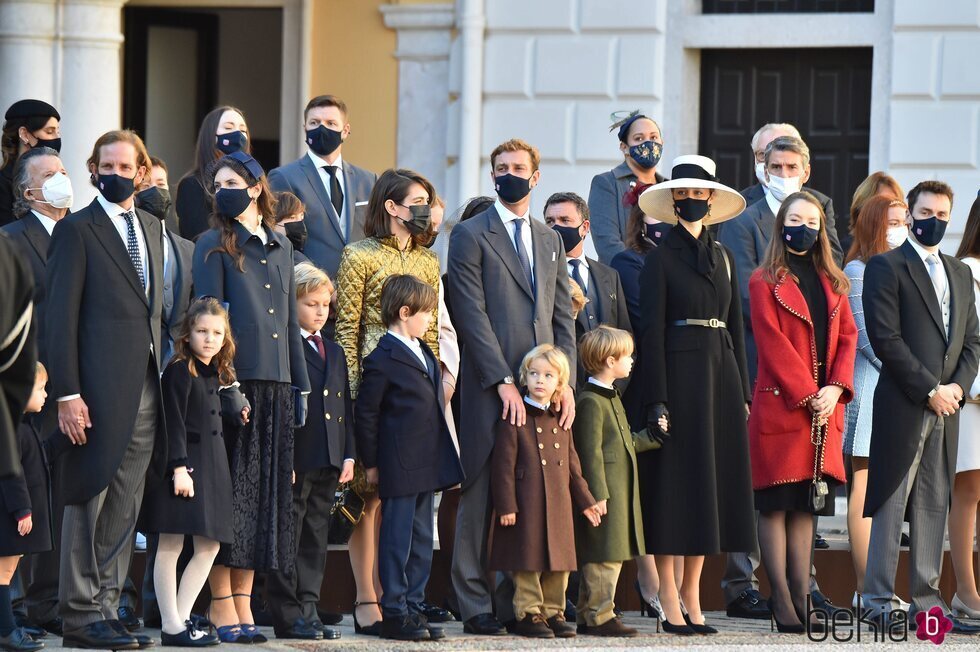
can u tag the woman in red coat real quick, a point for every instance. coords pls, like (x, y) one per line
(806, 339)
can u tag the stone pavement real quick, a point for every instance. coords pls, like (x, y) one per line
(734, 634)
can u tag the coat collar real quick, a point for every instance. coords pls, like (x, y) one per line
(920, 276)
(313, 357)
(789, 296)
(601, 391)
(503, 245)
(400, 352)
(109, 239)
(316, 181)
(37, 235)
(244, 235)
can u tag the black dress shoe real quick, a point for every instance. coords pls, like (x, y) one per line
(329, 618)
(435, 633)
(190, 637)
(100, 636)
(300, 629)
(820, 602)
(403, 628)
(128, 617)
(436, 614)
(749, 604)
(53, 626)
(961, 626)
(483, 625)
(820, 543)
(144, 641)
(34, 631)
(19, 641)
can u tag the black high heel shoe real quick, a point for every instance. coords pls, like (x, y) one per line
(374, 629)
(775, 625)
(704, 628)
(649, 607)
(669, 628)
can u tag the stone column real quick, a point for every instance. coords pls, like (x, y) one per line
(91, 83)
(27, 51)
(424, 39)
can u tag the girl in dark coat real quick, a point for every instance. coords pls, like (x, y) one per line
(696, 492)
(807, 343)
(196, 499)
(25, 526)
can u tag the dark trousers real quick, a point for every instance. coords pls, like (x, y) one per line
(97, 535)
(405, 552)
(293, 597)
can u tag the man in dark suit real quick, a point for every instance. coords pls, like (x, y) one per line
(105, 270)
(507, 276)
(922, 323)
(334, 191)
(568, 214)
(42, 195)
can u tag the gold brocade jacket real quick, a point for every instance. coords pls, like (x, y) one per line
(364, 267)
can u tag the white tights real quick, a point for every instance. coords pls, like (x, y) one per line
(176, 604)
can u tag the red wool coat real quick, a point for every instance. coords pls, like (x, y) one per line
(779, 424)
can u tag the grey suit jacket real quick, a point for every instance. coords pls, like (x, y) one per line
(608, 215)
(500, 320)
(326, 241)
(183, 252)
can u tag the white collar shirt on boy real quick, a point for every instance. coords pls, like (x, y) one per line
(531, 401)
(412, 344)
(600, 383)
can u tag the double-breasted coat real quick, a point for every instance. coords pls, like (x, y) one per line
(537, 475)
(604, 444)
(780, 423)
(696, 491)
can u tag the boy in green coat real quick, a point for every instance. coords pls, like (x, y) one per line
(607, 451)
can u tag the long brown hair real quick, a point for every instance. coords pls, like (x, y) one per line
(871, 230)
(394, 185)
(225, 356)
(970, 244)
(265, 201)
(871, 187)
(206, 151)
(774, 265)
(636, 232)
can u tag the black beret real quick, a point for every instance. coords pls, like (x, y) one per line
(31, 109)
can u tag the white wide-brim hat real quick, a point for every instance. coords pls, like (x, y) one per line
(692, 171)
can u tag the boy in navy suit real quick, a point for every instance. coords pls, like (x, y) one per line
(405, 446)
(324, 456)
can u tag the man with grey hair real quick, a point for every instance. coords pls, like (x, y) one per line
(42, 196)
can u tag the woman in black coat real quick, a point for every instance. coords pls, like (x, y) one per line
(696, 492)
(248, 265)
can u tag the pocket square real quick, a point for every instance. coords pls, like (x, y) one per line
(360, 203)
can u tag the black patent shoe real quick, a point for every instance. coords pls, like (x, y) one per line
(403, 628)
(190, 637)
(19, 641)
(129, 619)
(100, 635)
(374, 629)
(436, 614)
(300, 629)
(703, 628)
(484, 625)
(749, 604)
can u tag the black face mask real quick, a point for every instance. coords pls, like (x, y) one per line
(233, 141)
(691, 209)
(929, 231)
(512, 189)
(421, 219)
(114, 187)
(231, 202)
(53, 143)
(297, 234)
(656, 232)
(155, 201)
(801, 237)
(323, 141)
(570, 236)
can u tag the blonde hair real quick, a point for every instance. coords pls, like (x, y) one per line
(553, 356)
(603, 343)
(40, 373)
(578, 297)
(310, 278)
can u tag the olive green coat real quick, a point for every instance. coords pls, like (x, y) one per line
(605, 448)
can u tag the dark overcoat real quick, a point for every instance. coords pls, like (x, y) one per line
(27, 492)
(537, 475)
(327, 439)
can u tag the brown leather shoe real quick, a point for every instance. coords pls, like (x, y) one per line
(560, 626)
(533, 626)
(612, 627)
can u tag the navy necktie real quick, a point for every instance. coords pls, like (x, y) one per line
(132, 246)
(576, 276)
(522, 252)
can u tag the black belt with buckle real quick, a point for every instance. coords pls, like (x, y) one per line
(704, 323)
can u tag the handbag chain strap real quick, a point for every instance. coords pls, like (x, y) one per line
(818, 439)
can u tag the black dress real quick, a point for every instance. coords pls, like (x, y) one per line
(795, 496)
(696, 491)
(194, 206)
(26, 494)
(194, 439)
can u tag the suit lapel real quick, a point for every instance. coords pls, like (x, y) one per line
(788, 294)
(956, 291)
(108, 237)
(917, 270)
(604, 291)
(316, 180)
(766, 220)
(153, 235)
(545, 254)
(37, 235)
(502, 243)
(313, 357)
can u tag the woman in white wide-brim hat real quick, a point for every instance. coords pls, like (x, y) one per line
(696, 490)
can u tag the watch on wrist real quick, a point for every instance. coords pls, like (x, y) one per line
(508, 380)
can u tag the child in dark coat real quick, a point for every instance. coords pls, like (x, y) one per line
(536, 478)
(25, 526)
(405, 446)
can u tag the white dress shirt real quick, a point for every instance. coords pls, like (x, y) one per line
(540, 406)
(941, 279)
(508, 217)
(413, 344)
(325, 177)
(583, 270)
(115, 213)
(600, 383)
(774, 203)
(45, 221)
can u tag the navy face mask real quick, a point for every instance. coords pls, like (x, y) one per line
(801, 237)
(231, 202)
(570, 236)
(656, 232)
(646, 154)
(297, 234)
(114, 187)
(512, 189)
(233, 141)
(53, 143)
(154, 200)
(691, 209)
(323, 141)
(930, 231)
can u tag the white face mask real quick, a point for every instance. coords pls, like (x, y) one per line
(783, 187)
(57, 191)
(897, 235)
(760, 174)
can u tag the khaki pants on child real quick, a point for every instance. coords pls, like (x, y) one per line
(596, 592)
(539, 593)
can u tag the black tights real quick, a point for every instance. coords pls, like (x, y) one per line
(786, 544)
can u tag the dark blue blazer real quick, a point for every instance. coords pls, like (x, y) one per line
(32, 240)
(399, 423)
(327, 439)
(261, 302)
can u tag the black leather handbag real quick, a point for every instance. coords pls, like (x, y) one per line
(345, 514)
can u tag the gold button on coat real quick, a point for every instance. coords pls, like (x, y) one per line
(544, 462)
(328, 416)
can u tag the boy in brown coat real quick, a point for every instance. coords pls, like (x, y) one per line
(536, 476)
